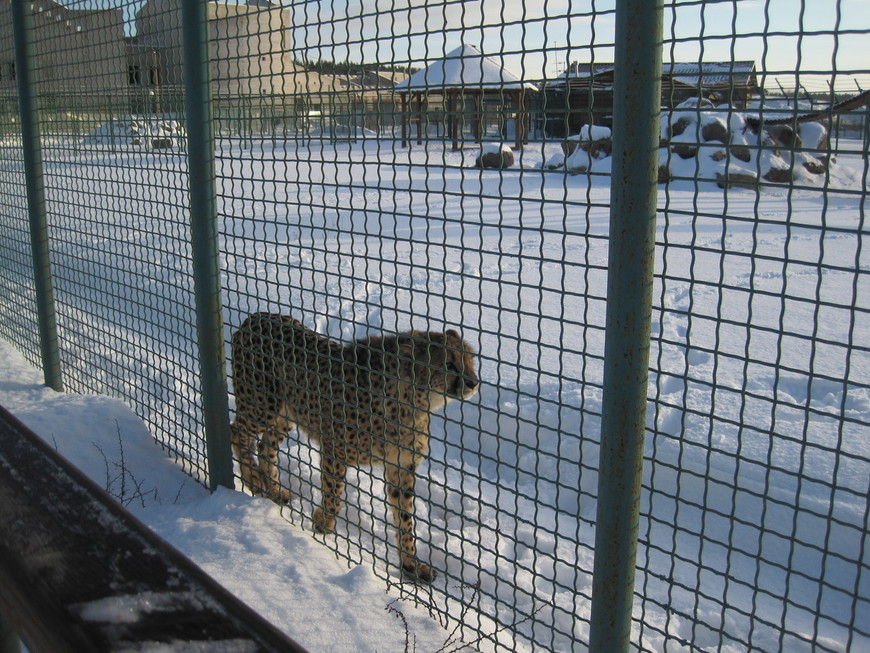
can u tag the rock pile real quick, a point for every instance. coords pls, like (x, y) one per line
(700, 141)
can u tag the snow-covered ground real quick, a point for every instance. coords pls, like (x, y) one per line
(754, 512)
(243, 542)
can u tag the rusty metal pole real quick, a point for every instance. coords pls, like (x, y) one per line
(637, 106)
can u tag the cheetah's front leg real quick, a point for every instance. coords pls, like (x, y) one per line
(401, 479)
(270, 442)
(332, 480)
(244, 442)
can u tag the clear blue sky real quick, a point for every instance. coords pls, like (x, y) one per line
(537, 38)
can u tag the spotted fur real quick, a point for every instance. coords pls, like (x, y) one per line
(367, 402)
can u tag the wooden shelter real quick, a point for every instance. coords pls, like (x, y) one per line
(464, 74)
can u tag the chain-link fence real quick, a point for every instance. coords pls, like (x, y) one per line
(386, 167)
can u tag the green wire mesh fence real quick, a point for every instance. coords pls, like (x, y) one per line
(385, 167)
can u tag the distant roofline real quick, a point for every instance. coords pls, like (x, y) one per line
(710, 74)
(582, 70)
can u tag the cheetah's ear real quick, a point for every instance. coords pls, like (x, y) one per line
(452, 333)
(406, 348)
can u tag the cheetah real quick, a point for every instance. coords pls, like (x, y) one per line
(365, 402)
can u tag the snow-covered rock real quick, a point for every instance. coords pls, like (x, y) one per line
(590, 133)
(701, 142)
(494, 155)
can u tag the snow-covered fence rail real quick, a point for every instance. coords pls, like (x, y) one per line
(753, 490)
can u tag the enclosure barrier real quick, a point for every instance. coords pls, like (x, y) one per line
(83, 560)
(636, 105)
(204, 242)
(32, 155)
(668, 449)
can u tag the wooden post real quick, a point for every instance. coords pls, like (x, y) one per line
(404, 109)
(419, 118)
(454, 118)
(478, 132)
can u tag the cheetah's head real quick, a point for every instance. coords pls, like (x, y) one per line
(446, 361)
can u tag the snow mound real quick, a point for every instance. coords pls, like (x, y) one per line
(147, 133)
(590, 133)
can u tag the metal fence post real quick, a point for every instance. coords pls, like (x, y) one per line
(22, 33)
(637, 103)
(204, 243)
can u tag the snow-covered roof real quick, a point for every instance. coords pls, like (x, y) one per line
(691, 74)
(463, 68)
(710, 74)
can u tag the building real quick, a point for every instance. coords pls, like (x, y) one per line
(584, 93)
(75, 50)
(366, 98)
(249, 50)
